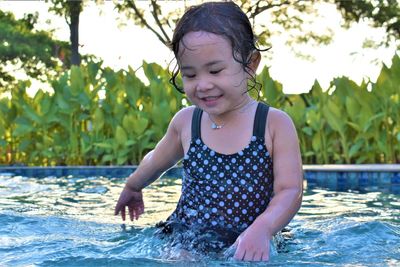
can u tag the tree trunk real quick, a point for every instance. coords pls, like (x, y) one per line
(74, 12)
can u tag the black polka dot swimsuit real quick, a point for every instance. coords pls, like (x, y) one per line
(225, 191)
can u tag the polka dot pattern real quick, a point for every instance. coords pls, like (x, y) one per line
(225, 190)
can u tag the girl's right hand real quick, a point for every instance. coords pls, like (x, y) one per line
(131, 199)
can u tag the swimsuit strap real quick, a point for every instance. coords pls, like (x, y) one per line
(260, 120)
(196, 120)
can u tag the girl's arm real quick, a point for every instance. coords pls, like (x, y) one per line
(166, 153)
(253, 243)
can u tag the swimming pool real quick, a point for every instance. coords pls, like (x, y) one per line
(68, 221)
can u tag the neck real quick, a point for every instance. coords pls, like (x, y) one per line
(221, 120)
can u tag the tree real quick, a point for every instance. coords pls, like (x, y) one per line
(384, 14)
(287, 15)
(70, 10)
(22, 48)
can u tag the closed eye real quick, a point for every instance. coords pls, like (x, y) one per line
(190, 76)
(215, 71)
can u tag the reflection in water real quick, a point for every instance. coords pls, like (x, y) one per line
(69, 221)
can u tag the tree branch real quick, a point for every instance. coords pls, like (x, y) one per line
(259, 9)
(155, 16)
(132, 5)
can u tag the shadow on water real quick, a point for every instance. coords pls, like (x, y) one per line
(68, 221)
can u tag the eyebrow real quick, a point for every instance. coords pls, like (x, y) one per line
(207, 65)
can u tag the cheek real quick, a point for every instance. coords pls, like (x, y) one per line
(188, 88)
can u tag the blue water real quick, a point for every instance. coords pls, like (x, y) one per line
(68, 221)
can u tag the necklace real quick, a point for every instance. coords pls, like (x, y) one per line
(216, 126)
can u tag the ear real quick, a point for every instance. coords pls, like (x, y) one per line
(255, 58)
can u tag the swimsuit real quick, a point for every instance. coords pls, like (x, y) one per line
(225, 193)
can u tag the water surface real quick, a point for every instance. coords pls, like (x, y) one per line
(68, 221)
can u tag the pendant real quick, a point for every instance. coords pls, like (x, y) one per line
(214, 126)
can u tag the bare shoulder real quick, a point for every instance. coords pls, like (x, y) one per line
(182, 118)
(279, 122)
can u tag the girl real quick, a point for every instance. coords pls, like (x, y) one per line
(242, 173)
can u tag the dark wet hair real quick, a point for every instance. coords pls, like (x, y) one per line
(221, 18)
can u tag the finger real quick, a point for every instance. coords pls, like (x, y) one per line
(257, 256)
(117, 209)
(137, 214)
(140, 210)
(239, 254)
(265, 256)
(123, 213)
(131, 213)
(248, 256)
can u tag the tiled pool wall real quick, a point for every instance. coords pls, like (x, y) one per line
(385, 178)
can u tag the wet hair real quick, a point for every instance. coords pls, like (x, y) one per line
(220, 18)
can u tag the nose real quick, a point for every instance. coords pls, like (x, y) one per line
(204, 84)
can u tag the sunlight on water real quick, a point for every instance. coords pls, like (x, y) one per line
(68, 221)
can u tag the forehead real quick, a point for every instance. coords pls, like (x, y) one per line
(203, 44)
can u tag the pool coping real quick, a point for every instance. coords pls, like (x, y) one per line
(306, 167)
(353, 167)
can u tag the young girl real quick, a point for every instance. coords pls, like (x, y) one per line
(242, 173)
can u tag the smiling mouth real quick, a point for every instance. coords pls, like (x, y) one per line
(210, 98)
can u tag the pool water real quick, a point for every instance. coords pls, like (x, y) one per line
(68, 221)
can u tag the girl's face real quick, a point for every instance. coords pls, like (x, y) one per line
(212, 79)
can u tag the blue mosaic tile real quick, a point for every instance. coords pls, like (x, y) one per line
(352, 180)
(385, 178)
(321, 178)
(342, 180)
(332, 180)
(374, 181)
(311, 177)
(363, 179)
(395, 178)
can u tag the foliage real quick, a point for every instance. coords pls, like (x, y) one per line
(99, 116)
(384, 14)
(74, 125)
(293, 16)
(22, 47)
(71, 11)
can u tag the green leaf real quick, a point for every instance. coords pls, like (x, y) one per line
(98, 119)
(333, 117)
(140, 125)
(121, 136)
(316, 143)
(307, 130)
(353, 108)
(77, 81)
(104, 145)
(354, 126)
(354, 149)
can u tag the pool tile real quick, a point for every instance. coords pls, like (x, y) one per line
(374, 181)
(363, 179)
(395, 178)
(311, 177)
(385, 178)
(352, 180)
(332, 180)
(321, 178)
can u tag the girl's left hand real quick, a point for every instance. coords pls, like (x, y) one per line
(253, 244)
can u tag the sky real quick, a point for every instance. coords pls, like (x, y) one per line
(130, 45)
